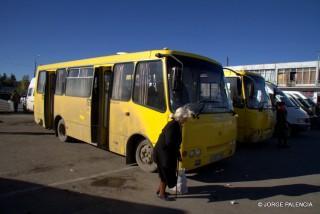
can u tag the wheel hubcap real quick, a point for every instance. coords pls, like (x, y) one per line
(61, 130)
(146, 154)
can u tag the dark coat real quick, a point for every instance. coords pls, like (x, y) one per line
(167, 151)
(282, 124)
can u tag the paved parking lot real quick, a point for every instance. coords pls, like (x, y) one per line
(39, 174)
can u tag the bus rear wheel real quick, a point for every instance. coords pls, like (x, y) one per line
(144, 157)
(61, 131)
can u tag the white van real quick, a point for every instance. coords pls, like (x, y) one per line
(308, 105)
(30, 95)
(297, 118)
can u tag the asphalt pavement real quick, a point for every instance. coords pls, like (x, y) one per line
(40, 174)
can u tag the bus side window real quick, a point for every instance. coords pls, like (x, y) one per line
(61, 81)
(236, 91)
(41, 82)
(122, 82)
(79, 82)
(148, 87)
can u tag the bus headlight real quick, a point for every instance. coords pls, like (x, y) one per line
(233, 142)
(197, 152)
(191, 153)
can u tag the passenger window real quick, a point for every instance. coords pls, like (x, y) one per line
(148, 87)
(79, 82)
(61, 81)
(41, 82)
(235, 91)
(122, 82)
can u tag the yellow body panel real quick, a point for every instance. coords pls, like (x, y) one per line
(214, 134)
(253, 125)
(77, 116)
(39, 108)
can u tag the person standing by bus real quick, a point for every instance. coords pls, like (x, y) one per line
(282, 125)
(15, 98)
(167, 151)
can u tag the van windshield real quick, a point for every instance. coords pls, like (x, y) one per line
(256, 94)
(203, 86)
(280, 96)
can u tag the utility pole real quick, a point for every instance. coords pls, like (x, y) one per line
(35, 64)
(318, 70)
(227, 61)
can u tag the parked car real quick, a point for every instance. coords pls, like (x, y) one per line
(5, 104)
(302, 100)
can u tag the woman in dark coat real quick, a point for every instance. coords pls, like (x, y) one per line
(282, 125)
(167, 151)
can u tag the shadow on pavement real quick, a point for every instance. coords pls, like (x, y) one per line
(266, 161)
(24, 197)
(224, 193)
(26, 133)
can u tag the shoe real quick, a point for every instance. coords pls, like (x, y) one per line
(165, 198)
(166, 193)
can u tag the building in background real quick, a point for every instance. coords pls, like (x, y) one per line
(291, 76)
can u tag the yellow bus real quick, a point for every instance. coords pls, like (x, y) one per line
(122, 102)
(256, 118)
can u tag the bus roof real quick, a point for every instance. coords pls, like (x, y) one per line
(123, 57)
(232, 72)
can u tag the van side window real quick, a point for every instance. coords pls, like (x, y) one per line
(41, 82)
(61, 81)
(148, 86)
(30, 92)
(79, 82)
(122, 81)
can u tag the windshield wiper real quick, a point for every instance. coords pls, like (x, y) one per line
(198, 107)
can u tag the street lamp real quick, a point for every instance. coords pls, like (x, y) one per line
(318, 71)
(35, 64)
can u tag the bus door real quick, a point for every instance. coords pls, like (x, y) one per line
(120, 106)
(45, 96)
(49, 100)
(100, 106)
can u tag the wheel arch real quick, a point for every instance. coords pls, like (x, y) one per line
(132, 145)
(56, 121)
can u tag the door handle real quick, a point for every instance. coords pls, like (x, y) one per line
(127, 113)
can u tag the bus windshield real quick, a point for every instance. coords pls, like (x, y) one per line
(256, 94)
(203, 86)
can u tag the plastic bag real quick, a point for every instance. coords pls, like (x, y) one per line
(181, 187)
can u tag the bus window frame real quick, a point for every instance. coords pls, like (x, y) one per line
(79, 67)
(65, 83)
(247, 97)
(113, 74)
(243, 103)
(39, 74)
(164, 87)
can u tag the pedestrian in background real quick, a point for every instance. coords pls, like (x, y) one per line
(166, 153)
(282, 125)
(15, 98)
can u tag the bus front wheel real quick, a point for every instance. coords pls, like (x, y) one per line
(144, 156)
(61, 131)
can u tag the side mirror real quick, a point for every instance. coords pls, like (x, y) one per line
(176, 78)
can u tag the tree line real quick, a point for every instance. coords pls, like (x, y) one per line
(10, 81)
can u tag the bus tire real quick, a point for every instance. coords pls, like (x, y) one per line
(61, 131)
(144, 157)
